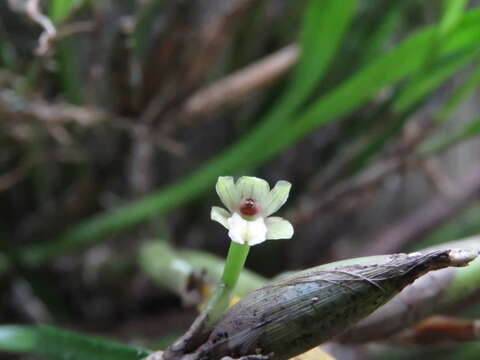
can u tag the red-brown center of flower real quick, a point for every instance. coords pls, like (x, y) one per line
(249, 208)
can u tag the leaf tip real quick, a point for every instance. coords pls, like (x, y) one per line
(462, 257)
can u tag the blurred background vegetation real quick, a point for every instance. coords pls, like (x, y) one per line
(116, 118)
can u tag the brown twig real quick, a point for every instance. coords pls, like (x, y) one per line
(75, 28)
(309, 206)
(16, 175)
(14, 107)
(435, 176)
(441, 330)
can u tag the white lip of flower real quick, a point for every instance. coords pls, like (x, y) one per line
(250, 202)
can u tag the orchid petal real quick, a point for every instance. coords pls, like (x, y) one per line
(250, 187)
(246, 232)
(227, 192)
(278, 228)
(276, 198)
(220, 215)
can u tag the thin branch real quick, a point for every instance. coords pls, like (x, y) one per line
(16, 175)
(309, 206)
(434, 175)
(17, 108)
(49, 33)
(75, 28)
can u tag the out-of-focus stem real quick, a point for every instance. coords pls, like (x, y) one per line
(206, 321)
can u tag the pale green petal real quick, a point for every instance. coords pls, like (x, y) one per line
(250, 187)
(227, 192)
(278, 228)
(220, 215)
(276, 198)
(246, 232)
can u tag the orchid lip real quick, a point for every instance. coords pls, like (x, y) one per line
(249, 207)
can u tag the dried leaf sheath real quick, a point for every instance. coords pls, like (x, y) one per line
(290, 316)
(446, 291)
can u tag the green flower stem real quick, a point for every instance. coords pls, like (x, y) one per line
(237, 254)
(205, 322)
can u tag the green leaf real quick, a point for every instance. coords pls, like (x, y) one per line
(56, 344)
(324, 26)
(414, 93)
(378, 40)
(69, 71)
(388, 69)
(173, 269)
(452, 13)
(68, 62)
(426, 82)
(60, 10)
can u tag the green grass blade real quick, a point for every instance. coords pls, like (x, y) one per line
(324, 26)
(60, 10)
(69, 69)
(452, 13)
(383, 72)
(425, 83)
(56, 344)
(379, 38)
(403, 106)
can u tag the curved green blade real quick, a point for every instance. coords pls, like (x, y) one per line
(55, 344)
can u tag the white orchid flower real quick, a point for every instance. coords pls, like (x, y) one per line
(250, 202)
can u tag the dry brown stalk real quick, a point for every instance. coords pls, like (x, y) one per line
(233, 89)
(441, 330)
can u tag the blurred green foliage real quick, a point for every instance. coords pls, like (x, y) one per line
(366, 71)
